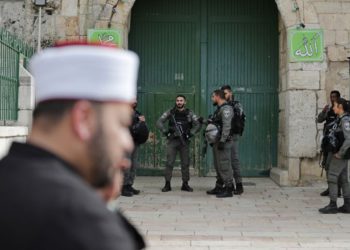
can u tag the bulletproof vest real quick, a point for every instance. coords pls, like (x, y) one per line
(330, 121)
(217, 120)
(334, 139)
(182, 119)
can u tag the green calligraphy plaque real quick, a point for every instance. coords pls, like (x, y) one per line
(105, 36)
(305, 45)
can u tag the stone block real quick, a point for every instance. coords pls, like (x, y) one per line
(282, 122)
(315, 66)
(322, 80)
(282, 150)
(13, 131)
(60, 28)
(293, 165)
(336, 53)
(328, 7)
(327, 21)
(295, 66)
(300, 104)
(329, 37)
(282, 100)
(24, 119)
(321, 98)
(341, 37)
(346, 7)
(290, 18)
(83, 25)
(26, 97)
(301, 137)
(279, 176)
(69, 8)
(303, 80)
(310, 14)
(310, 167)
(106, 12)
(72, 26)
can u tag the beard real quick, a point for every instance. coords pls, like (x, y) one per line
(101, 164)
(180, 106)
(215, 103)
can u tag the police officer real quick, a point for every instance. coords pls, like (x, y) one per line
(182, 125)
(338, 169)
(139, 133)
(329, 117)
(236, 167)
(222, 148)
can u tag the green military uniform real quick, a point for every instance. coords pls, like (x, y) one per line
(188, 123)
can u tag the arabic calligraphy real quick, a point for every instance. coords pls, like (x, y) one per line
(309, 47)
(105, 38)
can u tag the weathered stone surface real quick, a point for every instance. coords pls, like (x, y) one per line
(300, 116)
(69, 8)
(279, 176)
(342, 37)
(328, 7)
(327, 21)
(309, 14)
(309, 80)
(322, 79)
(72, 26)
(329, 37)
(336, 53)
(321, 98)
(315, 66)
(293, 165)
(335, 80)
(289, 18)
(310, 167)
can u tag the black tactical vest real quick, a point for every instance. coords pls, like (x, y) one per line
(182, 118)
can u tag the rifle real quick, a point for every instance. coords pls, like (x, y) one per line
(205, 146)
(179, 130)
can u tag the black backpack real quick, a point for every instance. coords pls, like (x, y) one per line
(138, 129)
(238, 120)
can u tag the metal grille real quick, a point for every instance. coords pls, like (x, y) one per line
(13, 51)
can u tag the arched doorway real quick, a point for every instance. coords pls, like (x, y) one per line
(194, 47)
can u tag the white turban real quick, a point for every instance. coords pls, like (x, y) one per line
(89, 72)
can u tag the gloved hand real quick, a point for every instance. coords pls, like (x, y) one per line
(221, 145)
(200, 120)
(211, 144)
(166, 134)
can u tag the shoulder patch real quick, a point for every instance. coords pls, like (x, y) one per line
(347, 125)
(226, 113)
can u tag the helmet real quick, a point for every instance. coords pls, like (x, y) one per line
(211, 133)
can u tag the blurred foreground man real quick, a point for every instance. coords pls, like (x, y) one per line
(78, 142)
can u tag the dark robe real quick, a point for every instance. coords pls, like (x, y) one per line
(45, 204)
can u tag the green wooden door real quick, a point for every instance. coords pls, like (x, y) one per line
(165, 34)
(242, 48)
(193, 47)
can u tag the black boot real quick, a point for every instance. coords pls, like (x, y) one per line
(325, 193)
(329, 209)
(186, 187)
(167, 187)
(216, 190)
(227, 192)
(133, 190)
(346, 207)
(239, 188)
(126, 191)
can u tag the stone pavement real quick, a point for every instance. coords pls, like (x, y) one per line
(266, 216)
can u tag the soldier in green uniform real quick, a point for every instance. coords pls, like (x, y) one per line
(338, 169)
(222, 149)
(182, 125)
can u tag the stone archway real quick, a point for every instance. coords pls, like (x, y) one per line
(301, 92)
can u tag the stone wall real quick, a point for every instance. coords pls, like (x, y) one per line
(303, 87)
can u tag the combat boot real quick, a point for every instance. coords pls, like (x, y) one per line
(227, 191)
(126, 191)
(186, 187)
(239, 188)
(325, 193)
(133, 190)
(329, 209)
(346, 207)
(216, 190)
(167, 187)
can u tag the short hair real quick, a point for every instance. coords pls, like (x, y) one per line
(336, 92)
(226, 87)
(344, 103)
(54, 110)
(220, 93)
(184, 97)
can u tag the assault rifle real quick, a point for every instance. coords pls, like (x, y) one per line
(178, 130)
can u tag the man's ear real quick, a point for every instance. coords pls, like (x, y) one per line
(83, 119)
